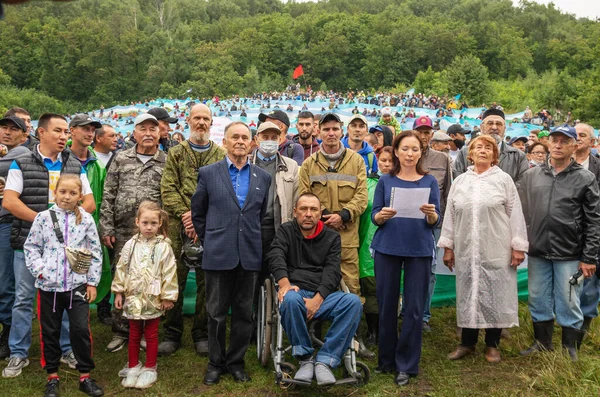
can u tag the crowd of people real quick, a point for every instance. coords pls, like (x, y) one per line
(83, 221)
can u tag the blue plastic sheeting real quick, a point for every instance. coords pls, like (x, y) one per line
(469, 119)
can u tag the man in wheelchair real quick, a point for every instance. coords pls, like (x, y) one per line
(305, 260)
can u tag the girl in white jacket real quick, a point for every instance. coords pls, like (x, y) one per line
(61, 287)
(145, 285)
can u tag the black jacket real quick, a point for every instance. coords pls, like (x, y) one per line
(561, 212)
(311, 264)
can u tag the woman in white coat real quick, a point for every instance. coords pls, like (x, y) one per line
(484, 238)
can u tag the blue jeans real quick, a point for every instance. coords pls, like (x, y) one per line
(590, 296)
(437, 231)
(344, 310)
(551, 294)
(7, 275)
(19, 340)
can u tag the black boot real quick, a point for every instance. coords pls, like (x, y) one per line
(571, 337)
(372, 329)
(542, 333)
(4, 350)
(587, 321)
(363, 351)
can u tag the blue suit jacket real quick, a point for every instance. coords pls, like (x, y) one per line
(230, 234)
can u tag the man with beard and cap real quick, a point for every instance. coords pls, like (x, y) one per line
(178, 184)
(438, 165)
(287, 148)
(458, 139)
(306, 126)
(164, 119)
(512, 161)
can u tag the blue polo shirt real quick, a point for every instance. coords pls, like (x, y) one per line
(240, 179)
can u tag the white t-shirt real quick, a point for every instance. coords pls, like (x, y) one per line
(14, 179)
(144, 158)
(586, 163)
(104, 158)
(453, 154)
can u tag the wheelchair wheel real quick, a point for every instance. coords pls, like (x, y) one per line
(287, 372)
(363, 373)
(260, 316)
(267, 323)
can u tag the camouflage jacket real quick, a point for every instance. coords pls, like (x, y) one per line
(128, 183)
(180, 177)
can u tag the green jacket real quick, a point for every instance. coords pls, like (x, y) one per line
(96, 174)
(366, 231)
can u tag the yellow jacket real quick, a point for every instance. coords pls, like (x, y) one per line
(344, 189)
(146, 276)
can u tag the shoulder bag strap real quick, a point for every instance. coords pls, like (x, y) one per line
(56, 227)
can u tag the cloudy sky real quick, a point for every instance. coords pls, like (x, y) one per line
(581, 8)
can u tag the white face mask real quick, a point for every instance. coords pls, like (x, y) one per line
(268, 148)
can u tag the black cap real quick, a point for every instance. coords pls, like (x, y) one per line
(457, 129)
(81, 119)
(15, 120)
(162, 114)
(492, 112)
(518, 138)
(277, 115)
(330, 117)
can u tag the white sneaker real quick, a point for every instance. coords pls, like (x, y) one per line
(306, 373)
(123, 372)
(132, 376)
(69, 359)
(146, 379)
(324, 375)
(15, 366)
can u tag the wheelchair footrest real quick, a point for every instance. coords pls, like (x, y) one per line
(346, 381)
(295, 382)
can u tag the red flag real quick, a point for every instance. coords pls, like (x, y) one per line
(298, 72)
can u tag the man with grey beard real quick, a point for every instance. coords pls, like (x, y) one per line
(178, 184)
(511, 160)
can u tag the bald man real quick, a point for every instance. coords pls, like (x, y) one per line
(178, 184)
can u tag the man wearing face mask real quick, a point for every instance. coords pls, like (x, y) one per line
(458, 139)
(283, 191)
(512, 161)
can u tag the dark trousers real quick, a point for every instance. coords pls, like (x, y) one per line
(174, 318)
(401, 353)
(470, 335)
(51, 306)
(224, 289)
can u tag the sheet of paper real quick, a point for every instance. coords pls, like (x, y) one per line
(408, 201)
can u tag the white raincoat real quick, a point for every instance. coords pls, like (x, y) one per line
(483, 223)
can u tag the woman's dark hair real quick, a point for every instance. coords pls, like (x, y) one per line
(396, 144)
(388, 135)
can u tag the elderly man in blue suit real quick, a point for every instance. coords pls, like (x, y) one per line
(227, 209)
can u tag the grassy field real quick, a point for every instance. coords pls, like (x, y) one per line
(547, 374)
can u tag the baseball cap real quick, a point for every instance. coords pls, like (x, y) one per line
(492, 112)
(15, 120)
(457, 129)
(358, 117)
(81, 119)
(543, 134)
(440, 136)
(329, 117)
(422, 121)
(162, 114)
(268, 126)
(144, 117)
(517, 138)
(277, 115)
(375, 129)
(565, 129)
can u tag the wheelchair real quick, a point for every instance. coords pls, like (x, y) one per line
(269, 344)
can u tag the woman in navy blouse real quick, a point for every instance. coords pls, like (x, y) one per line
(403, 243)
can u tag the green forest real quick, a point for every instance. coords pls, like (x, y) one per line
(78, 55)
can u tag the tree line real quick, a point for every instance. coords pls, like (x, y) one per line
(79, 55)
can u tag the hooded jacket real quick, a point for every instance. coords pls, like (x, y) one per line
(292, 150)
(312, 263)
(308, 149)
(370, 160)
(511, 160)
(45, 256)
(561, 212)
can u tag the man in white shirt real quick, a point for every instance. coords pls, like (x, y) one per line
(105, 144)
